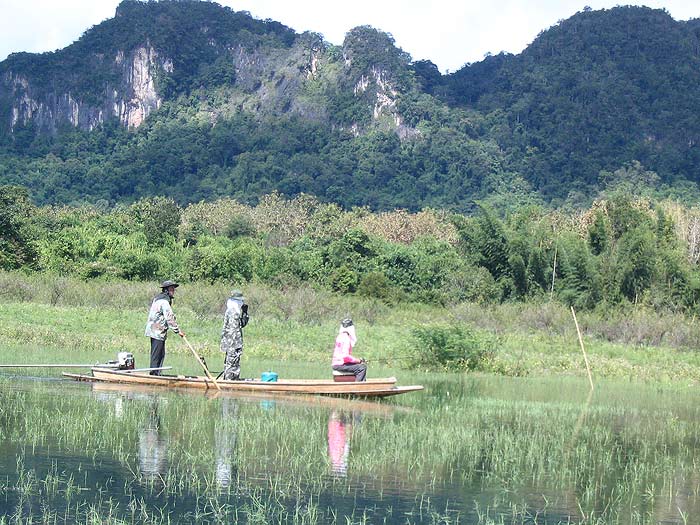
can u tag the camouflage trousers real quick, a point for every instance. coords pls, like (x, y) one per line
(232, 363)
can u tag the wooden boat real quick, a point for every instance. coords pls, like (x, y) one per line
(327, 387)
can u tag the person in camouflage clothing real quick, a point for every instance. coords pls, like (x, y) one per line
(161, 318)
(235, 318)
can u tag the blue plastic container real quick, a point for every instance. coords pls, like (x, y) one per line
(269, 377)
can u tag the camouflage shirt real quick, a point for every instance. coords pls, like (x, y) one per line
(235, 319)
(161, 318)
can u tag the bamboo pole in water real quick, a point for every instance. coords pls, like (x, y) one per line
(583, 349)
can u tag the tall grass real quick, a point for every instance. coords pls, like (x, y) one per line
(300, 323)
(305, 304)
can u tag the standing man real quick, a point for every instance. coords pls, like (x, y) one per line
(235, 318)
(160, 319)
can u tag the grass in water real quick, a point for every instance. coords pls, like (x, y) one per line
(477, 449)
(471, 448)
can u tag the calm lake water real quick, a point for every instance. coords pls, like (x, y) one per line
(466, 450)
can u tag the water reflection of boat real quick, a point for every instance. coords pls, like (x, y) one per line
(370, 388)
(334, 403)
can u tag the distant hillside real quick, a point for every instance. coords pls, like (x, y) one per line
(194, 100)
(596, 91)
(125, 67)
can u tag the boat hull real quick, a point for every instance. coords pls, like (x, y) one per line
(370, 388)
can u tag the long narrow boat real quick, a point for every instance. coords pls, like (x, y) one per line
(370, 388)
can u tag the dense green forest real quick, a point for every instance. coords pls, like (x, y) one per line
(600, 89)
(621, 251)
(568, 172)
(250, 107)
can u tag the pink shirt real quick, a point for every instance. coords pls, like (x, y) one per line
(342, 353)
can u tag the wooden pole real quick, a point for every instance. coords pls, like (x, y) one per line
(583, 349)
(199, 360)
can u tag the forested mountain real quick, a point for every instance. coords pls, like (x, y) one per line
(598, 90)
(195, 101)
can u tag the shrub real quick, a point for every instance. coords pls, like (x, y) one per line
(474, 284)
(16, 287)
(159, 217)
(375, 284)
(214, 259)
(308, 260)
(353, 248)
(58, 252)
(16, 235)
(240, 226)
(139, 266)
(398, 264)
(95, 269)
(344, 280)
(451, 348)
(191, 233)
(279, 266)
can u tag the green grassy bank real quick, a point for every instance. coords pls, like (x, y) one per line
(69, 319)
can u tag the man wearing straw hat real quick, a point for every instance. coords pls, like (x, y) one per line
(235, 318)
(160, 318)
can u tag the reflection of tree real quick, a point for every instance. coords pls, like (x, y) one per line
(339, 432)
(225, 442)
(152, 445)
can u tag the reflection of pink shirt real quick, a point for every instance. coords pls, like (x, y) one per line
(338, 448)
(343, 349)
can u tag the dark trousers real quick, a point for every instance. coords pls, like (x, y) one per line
(232, 364)
(360, 370)
(157, 355)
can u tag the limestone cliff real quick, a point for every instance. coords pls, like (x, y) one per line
(220, 61)
(130, 99)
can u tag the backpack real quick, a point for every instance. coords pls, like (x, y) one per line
(244, 315)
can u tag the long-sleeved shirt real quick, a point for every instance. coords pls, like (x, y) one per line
(160, 318)
(342, 353)
(234, 321)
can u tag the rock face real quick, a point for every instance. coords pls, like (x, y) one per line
(130, 99)
(385, 92)
(140, 96)
(125, 68)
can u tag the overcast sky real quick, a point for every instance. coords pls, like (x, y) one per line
(450, 33)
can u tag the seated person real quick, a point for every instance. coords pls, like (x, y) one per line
(343, 360)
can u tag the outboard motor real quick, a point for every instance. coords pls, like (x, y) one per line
(125, 360)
